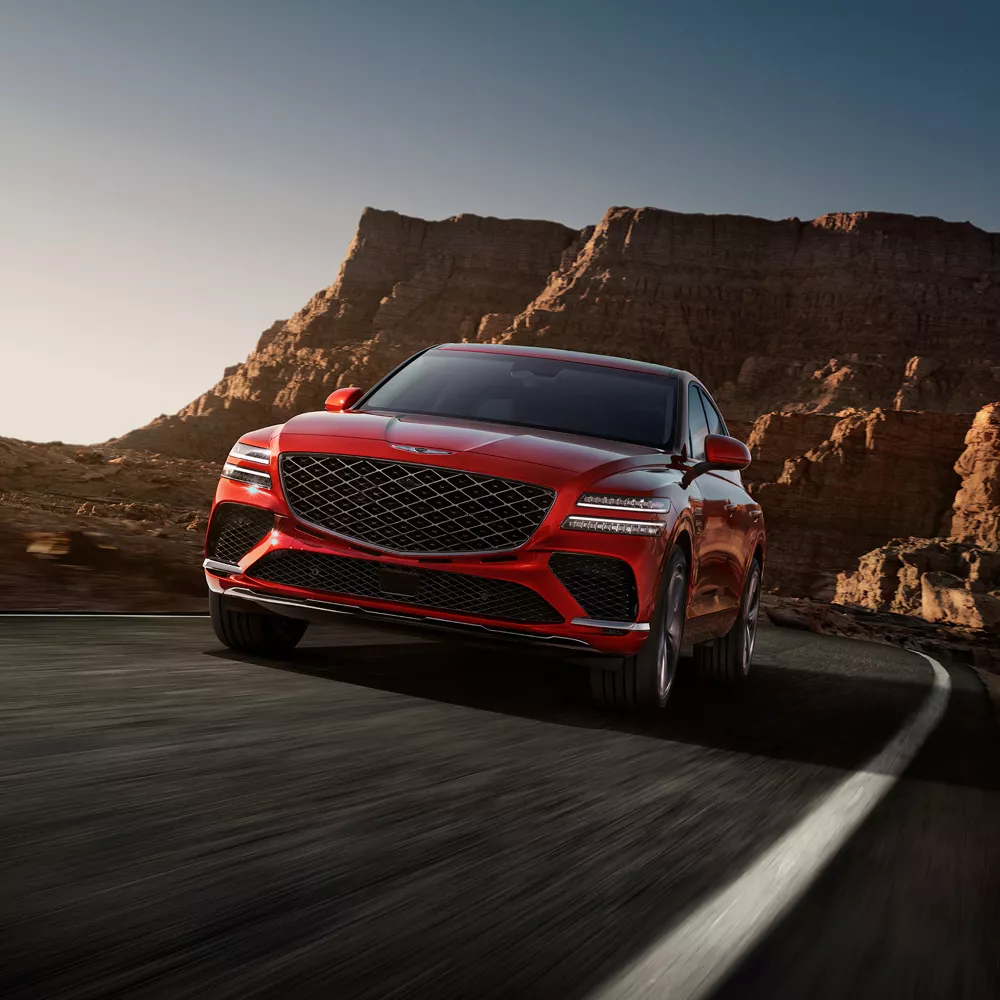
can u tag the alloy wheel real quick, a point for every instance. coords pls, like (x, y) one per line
(750, 619)
(671, 630)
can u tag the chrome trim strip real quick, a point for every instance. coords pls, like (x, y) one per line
(618, 626)
(419, 450)
(426, 621)
(631, 510)
(214, 566)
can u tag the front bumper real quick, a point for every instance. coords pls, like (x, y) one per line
(570, 626)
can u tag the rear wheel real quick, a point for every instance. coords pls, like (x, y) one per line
(645, 678)
(727, 659)
(253, 632)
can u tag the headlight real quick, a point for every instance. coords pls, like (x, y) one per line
(611, 502)
(250, 453)
(610, 526)
(251, 477)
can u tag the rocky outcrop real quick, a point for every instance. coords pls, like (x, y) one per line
(788, 315)
(857, 310)
(945, 597)
(954, 579)
(977, 504)
(778, 437)
(405, 284)
(877, 476)
(890, 578)
(101, 529)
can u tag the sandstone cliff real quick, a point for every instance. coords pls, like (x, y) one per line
(977, 504)
(854, 310)
(849, 310)
(405, 284)
(955, 578)
(879, 475)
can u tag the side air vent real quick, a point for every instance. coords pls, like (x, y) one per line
(235, 529)
(603, 586)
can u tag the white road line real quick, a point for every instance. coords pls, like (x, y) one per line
(90, 614)
(694, 957)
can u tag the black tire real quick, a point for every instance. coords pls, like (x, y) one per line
(252, 632)
(727, 659)
(644, 681)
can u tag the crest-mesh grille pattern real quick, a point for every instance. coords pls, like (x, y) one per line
(406, 507)
(603, 586)
(461, 593)
(235, 529)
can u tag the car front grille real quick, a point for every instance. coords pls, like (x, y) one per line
(235, 529)
(461, 593)
(603, 586)
(405, 507)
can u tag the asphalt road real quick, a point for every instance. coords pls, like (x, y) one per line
(387, 817)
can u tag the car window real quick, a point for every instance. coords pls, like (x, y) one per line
(716, 425)
(528, 391)
(697, 424)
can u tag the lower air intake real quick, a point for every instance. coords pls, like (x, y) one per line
(461, 593)
(235, 529)
(603, 586)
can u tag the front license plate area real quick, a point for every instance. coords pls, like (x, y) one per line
(398, 582)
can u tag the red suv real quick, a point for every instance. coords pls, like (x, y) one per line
(575, 500)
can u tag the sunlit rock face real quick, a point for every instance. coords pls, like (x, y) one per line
(954, 578)
(879, 475)
(405, 284)
(845, 311)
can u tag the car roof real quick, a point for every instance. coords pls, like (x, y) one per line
(604, 360)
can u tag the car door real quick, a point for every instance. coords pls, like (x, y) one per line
(714, 586)
(740, 508)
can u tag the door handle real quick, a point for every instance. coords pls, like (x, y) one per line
(755, 512)
(730, 507)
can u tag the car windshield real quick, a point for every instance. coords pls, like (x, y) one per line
(557, 395)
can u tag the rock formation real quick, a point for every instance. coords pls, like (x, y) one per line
(866, 340)
(955, 578)
(405, 284)
(852, 310)
(977, 504)
(878, 475)
(788, 315)
(778, 437)
(101, 529)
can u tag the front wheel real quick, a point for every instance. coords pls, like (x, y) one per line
(253, 632)
(727, 658)
(645, 678)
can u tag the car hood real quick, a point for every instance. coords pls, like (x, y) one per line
(386, 436)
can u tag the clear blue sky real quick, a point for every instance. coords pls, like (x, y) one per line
(177, 175)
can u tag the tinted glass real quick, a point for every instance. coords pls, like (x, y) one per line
(716, 425)
(535, 392)
(697, 424)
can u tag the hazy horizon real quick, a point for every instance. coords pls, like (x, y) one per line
(180, 177)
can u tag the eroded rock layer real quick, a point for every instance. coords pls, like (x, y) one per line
(879, 475)
(847, 310)
(976, 519)
(954, 579)
(405, 284)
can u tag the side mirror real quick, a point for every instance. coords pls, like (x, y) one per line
(721, 452)
(343, 399)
